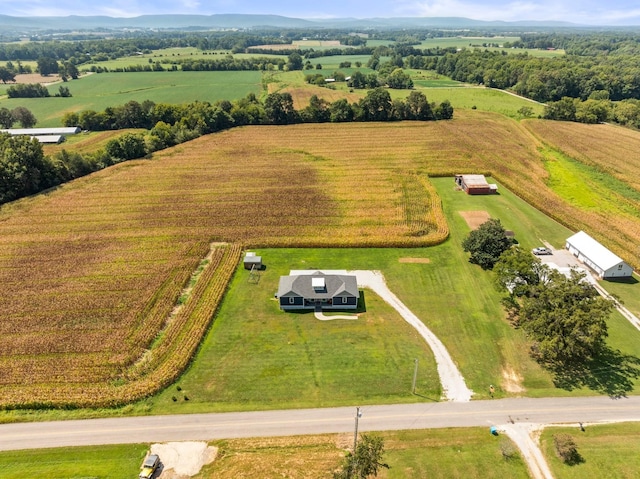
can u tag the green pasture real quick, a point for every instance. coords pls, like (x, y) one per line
(447, 453)
(99, 91)
(608, 450)
(471, 43)
(483, 99)
(165, 56)
(105, 462)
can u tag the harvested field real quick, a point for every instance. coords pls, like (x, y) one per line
(613, 155)
(301, 96)
(474, 218)
(415, 260)
(91, 270)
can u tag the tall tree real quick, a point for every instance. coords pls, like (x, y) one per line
(6, 118)
(47, 66)
(376, 106)
(24, 116)
(487, 243)
(279, 110)
(6, 75)
(566, 318)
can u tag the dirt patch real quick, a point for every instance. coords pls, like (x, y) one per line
(37, 78)
(474, 218)
(181, 460)
(512, 381)
(415, 260)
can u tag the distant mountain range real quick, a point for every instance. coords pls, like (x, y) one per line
(238, 21)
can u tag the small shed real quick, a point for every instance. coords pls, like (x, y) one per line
(476, 185)
(251, 261)
(602, 261)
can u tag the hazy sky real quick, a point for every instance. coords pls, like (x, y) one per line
(594, 12)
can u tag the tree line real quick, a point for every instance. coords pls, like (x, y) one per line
(25, 170)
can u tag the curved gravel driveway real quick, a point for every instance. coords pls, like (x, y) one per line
(453, 385)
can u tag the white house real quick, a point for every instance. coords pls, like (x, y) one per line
(603, 262)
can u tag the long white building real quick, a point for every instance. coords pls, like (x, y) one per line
(602, 261)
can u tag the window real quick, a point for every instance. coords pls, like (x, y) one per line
(292, 300)
(344, 300)
(620, 266)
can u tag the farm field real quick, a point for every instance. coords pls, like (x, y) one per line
(595, 445)
(231, 373)
(477, 42)
(99, 91)
(444, 453)
(149, 223)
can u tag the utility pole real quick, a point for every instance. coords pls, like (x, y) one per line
(355, 433)
(415, 376)
(355, 443)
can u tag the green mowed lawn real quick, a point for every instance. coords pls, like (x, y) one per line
(450, 453)
(256, 356)
(596, 445)
(99, 91)
(434, 453)
(104, 462)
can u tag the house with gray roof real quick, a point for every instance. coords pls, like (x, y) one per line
(315, 289)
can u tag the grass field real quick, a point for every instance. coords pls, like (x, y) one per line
(105, 462)
(444, 453)
(596, 445)
(99, 91)
(477, 42)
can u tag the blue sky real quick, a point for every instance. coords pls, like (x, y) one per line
(613, 12)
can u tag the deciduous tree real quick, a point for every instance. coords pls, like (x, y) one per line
(566, 318)
(366, 461)
(486, 243)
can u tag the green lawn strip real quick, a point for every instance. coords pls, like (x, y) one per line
(99, 91)
(627, 290)
(596, 445)
(449, 453)
(433, 453)
(256, 356)
(104, 462)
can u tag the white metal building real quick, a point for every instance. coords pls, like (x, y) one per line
(603, 262)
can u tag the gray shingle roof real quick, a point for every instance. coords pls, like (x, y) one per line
(335, 285)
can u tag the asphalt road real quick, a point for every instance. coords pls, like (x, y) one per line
(314, 421)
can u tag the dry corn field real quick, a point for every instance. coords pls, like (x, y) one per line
(91, 271)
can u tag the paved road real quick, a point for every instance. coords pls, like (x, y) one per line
(313, 421)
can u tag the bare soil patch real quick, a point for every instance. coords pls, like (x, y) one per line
(37, 78)
(512, 381)
(415, 260)
(474, 218)
(181, 460)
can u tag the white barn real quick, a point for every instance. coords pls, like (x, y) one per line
(603, 262)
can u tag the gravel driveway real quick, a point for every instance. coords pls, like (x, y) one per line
(453, 385)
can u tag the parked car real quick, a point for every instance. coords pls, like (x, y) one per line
(541, 251)
(149, 466)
